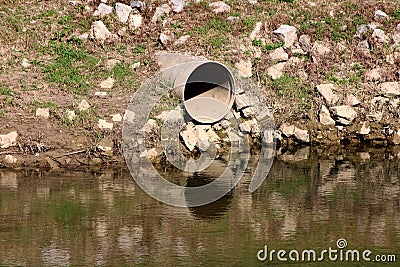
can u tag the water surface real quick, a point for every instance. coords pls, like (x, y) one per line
(102, 218)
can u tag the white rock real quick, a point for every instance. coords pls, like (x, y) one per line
(364, 129)
(276, 71)
(103, 10)
(255, 33)
(8, 140)
(9, 160)
(220, 7)
(345, 112)
(99, 31)
(373, 75)
(244, 67)
(150, 127)
(352, 100)
(248, 112)
(380, 15)
(116, 117)
(390, 89)
(83, 37)
(135, 21)
(107, 83)
(325, 117)
(100, 94)
(363, 45)
(43, 112)
(320, 49)
(278, 55)
(380, 36)
(83, 105)
(161, 10)
(129, 116)
(177, 5)
(182, 40)
(326, 90)
(301, 135)
(163, 38)
(110, 63)
(396, 40)
(104, 125)
(189, 137)
(287, 130)
(202, 138)
(70, 114)
(122, 11)
(163, 115)
(136, 65)
(212, 136)
(288, 34)
(25, 63)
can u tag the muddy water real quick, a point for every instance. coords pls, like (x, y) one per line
(101, 218)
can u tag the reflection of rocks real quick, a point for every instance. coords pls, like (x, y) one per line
(299, 155)
(53, 256)
(8, 180)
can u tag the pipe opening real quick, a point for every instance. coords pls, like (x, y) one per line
(209, 92)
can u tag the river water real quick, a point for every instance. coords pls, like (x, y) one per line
(309, 200)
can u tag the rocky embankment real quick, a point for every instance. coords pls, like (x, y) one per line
(348, 105)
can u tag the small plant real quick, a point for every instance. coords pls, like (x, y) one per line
(139, 49)
(176, 25)
(257, 42)
(272, 46)
(5, 90)
(218, 41)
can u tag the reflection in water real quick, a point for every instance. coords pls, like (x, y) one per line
(102, 218)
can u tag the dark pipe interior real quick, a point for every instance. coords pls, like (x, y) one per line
(194, 89)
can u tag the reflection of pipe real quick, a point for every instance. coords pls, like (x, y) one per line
(207, 89)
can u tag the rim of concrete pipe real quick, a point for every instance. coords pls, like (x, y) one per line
(208, 91)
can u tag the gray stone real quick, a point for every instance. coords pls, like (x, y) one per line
(135, 21)
(225, 124)
(177, 5)
(278, 55)
(352, 100)
(138, 4)
(345, 114)
(380, 36)
(244, 67)
(103, 10)
(43, 112)
(396, 40)
(122, 11)
(363, 45)
(110, 63)
(161, 10)
(83, 105)
(83, 37)
(202, 138)
(276, 71)
(242, 101)
(325, 116)
(150, 127)
(326, 90)
(220, 7)
(380, 15)
(288, 34)
(8, 140)
(390, 89)
(25, 63)
(305, 42)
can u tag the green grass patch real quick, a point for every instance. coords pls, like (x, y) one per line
(273, 46)
(5, 90)
(139, 49)
(41, 104)
(70, 66)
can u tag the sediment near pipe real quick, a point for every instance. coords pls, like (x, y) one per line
(206, 88)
